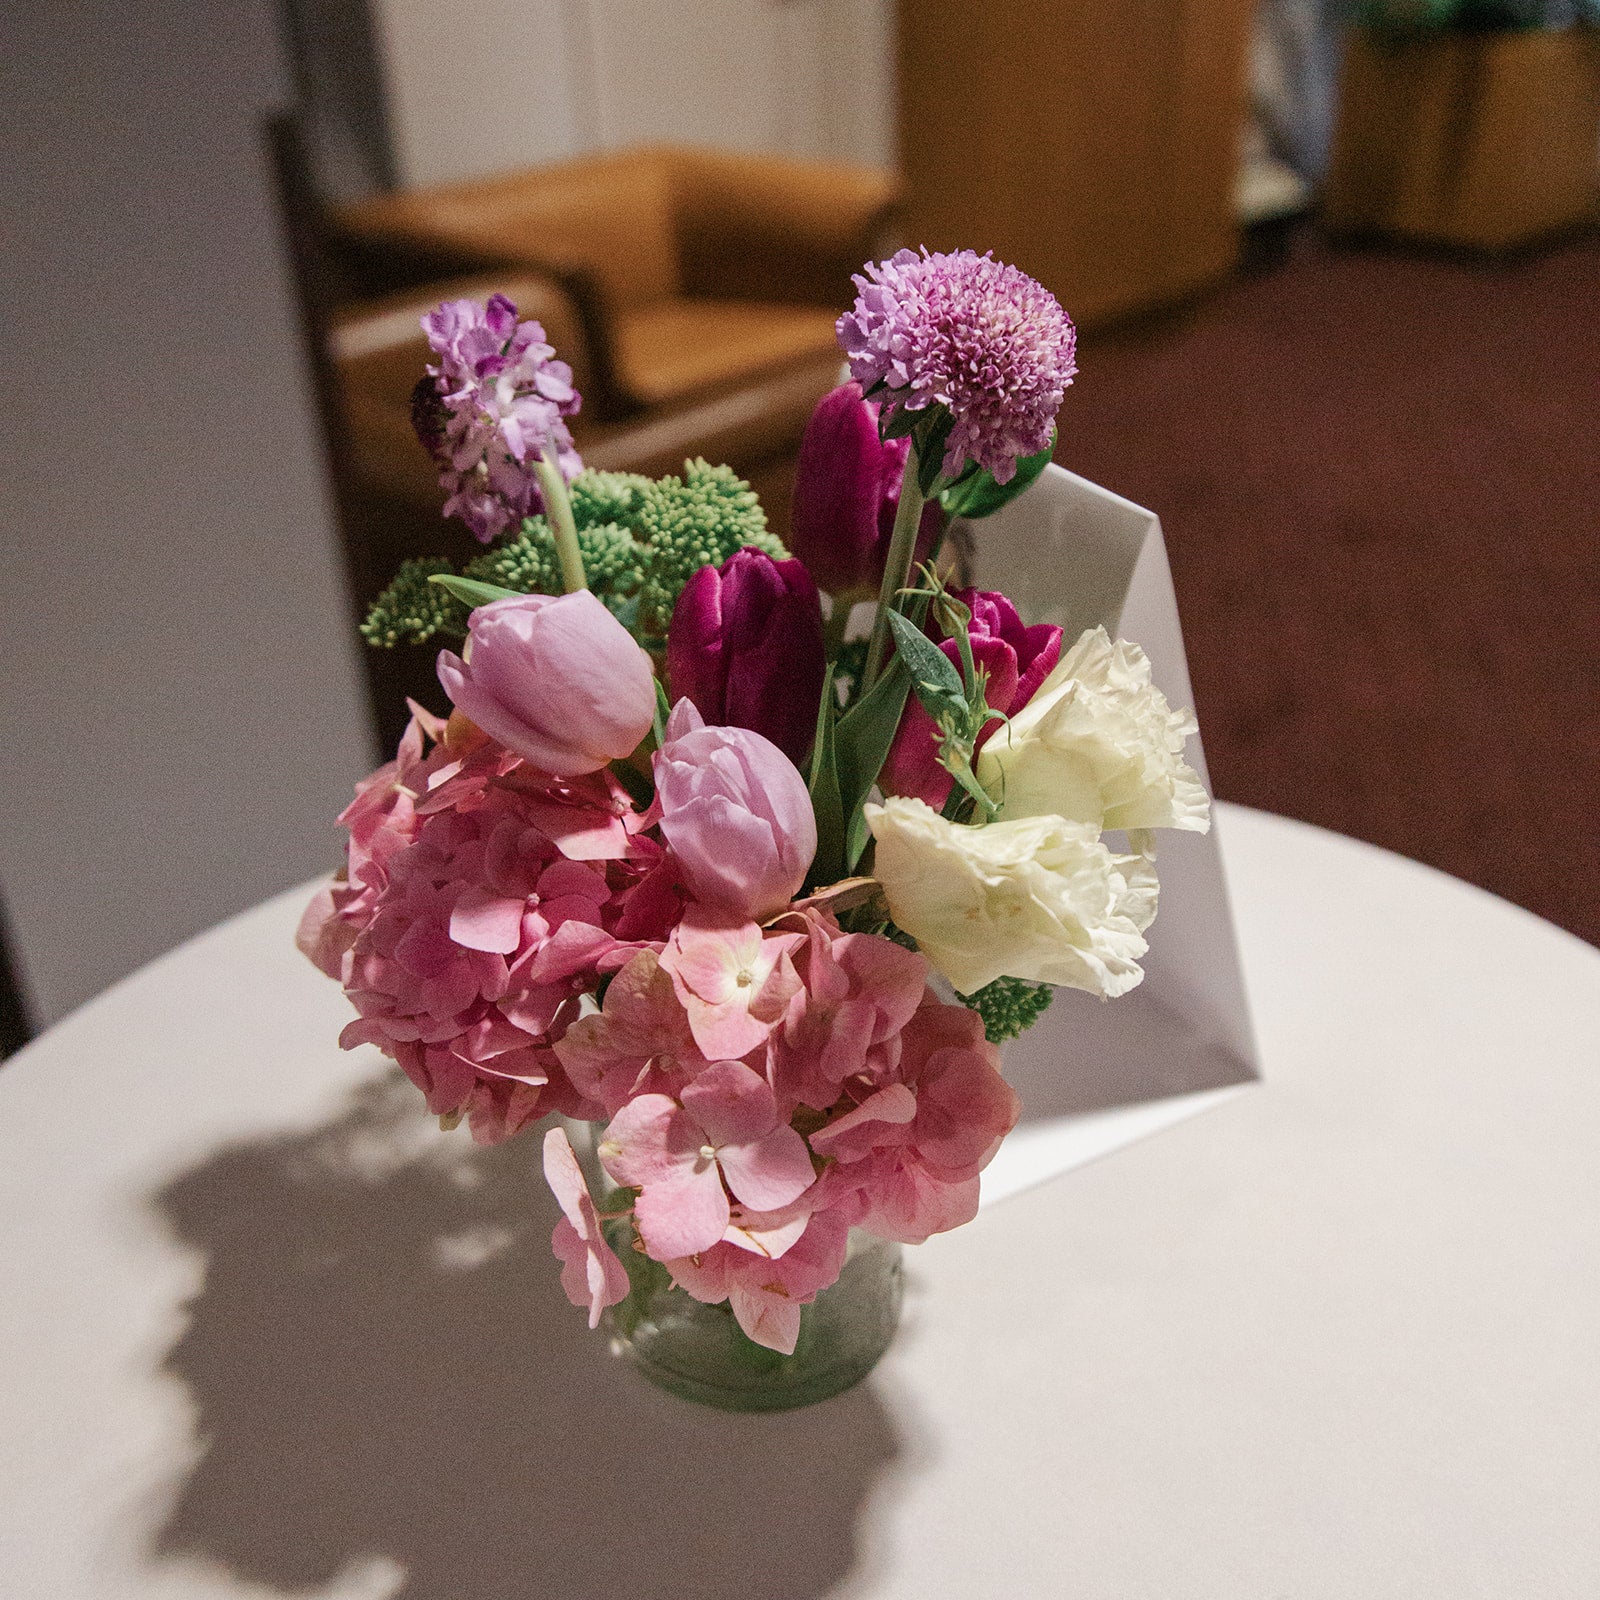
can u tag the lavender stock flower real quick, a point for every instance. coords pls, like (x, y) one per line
(968, 333)
(499, 403)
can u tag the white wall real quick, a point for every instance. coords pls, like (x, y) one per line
(508, 83)
(180, 716)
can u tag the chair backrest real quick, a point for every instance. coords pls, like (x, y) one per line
(607, 217)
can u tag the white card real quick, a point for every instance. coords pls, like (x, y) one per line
(1096, 1074)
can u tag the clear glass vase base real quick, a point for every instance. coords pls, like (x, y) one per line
(700, 1353)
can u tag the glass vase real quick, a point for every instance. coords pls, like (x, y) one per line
(700, 1353)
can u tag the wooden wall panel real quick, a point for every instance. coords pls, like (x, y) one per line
(1094, 144)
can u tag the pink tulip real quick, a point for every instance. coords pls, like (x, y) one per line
(746, 646)
(556, 679)
(1017, 660)
(736, 815)
(846, 490)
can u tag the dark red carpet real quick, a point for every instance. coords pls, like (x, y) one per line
(1379, 477)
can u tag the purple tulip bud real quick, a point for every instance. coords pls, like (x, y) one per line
(745, 645)
(846, 490)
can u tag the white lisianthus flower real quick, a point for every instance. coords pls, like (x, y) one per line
(1038, 898)
(1097, 743)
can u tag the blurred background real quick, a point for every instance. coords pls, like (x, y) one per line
(1335, 269)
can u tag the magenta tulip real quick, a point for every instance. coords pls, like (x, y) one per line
(745, 646)
(846, 490)
(556, 679)
(1017, 660)
(736, 815)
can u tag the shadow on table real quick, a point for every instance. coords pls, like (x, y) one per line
(386, 1371)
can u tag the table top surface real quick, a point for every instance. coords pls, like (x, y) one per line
(266, 1332)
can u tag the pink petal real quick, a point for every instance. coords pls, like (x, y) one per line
(870, 1125)
(725, 1031)
(683, 1216)
(772, 1171)
(731, 1102)
(565, 1176)
(768, 1321)
(766, 1233)
(651, 1140)
(591, 1274)
(485, 921)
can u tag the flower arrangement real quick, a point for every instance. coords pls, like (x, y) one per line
(690, 856)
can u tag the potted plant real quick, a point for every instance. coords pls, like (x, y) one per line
(1472, 123)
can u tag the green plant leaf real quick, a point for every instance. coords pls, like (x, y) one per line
(861, 742)
(471, 592)
(901, 423)
(933, 675)
(827, 866)
(978, 495)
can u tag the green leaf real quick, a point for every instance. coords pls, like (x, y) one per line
(827, 866)
(900, 424)
(469, 591)
(933, 674)
(658, 723)
(978, 495)
(861, 741)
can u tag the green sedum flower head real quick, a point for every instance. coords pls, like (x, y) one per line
(599, 498)
(1009, 1006)
(412, 610)
(695, 521)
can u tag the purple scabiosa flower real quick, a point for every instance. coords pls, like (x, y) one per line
(499, 403)
(968, 333)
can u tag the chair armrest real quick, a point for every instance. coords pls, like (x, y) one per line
(759, 227)
(387, 331)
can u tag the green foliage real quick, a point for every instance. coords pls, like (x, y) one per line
(640, 542)
(412, 610)
(975, 493)
(1009, 1006)
(1426, 16)
(827, 865)
(691, 522)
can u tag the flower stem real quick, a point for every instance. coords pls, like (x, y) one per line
(897, 569)
(558, 508)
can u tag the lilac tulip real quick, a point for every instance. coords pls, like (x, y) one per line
(745, 646)
(736, 815)
(556, 679)
(846, 491)
(1016, 660)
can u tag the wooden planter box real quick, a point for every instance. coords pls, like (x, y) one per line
(1486, 141)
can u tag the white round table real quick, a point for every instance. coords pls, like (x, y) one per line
(266, 1332)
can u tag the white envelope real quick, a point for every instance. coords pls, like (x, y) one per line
(1096, 1074)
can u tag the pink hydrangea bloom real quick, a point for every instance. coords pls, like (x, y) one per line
(590, 1272)
(382, 820)
(723, 1129)
(968, 333)
(638, 1043)
(478, 945)
(734, 982)
(766, 1294)
(911, 1149)
(499, 403)
(858, 992)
